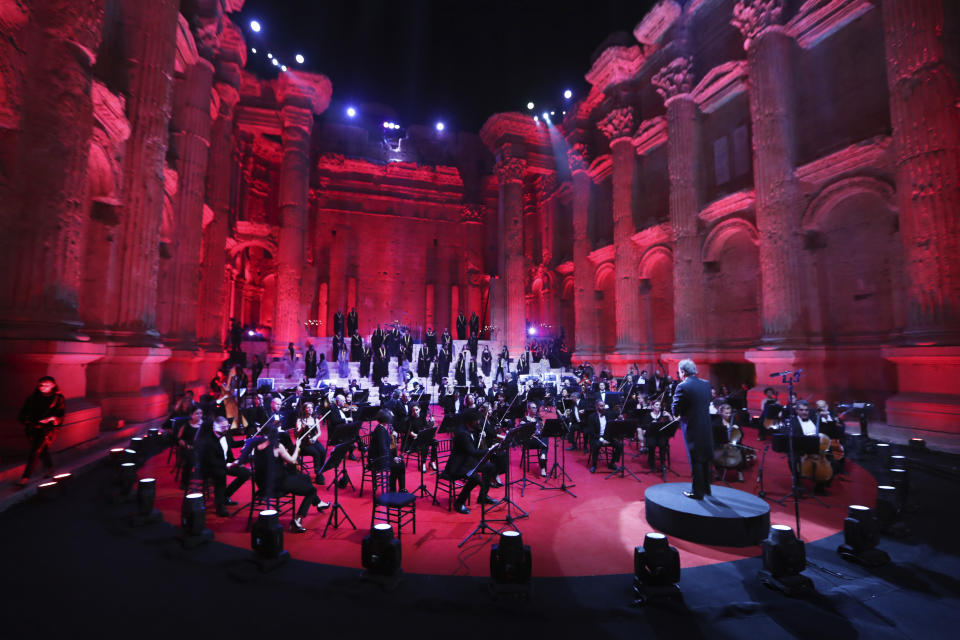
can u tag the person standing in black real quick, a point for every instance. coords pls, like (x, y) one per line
(461, 370)
(310, 362)
(353, 322)
(461, 326)
(356, 347)
(474, 325)
(383, 454)
(338, 322)
(365, 357)
(445, 339)
(406, 346)
(41, 415)
(256, 369)
(691, 404)
(473, 345)
(376, 339)
(486, 360)
(430, 340)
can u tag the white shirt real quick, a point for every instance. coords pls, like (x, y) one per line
(808, 426)
(225, 445)
(603, 424)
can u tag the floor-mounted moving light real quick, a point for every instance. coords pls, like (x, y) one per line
(511, 565)
(193, 521)
(656, 569)
(784, 557)
(380, 556)
(146, 495)
(861, 535)
(266, 540)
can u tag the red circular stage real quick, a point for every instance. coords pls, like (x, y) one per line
(592, 534)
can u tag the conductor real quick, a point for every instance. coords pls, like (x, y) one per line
(691, 404)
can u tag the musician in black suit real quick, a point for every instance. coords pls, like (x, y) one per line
(356, 347)
(534, 441)
(406, 346)
(215, 462)
(691, 404)
(486, 360)
(366, 355)
(338, 322)
(595, 431)
(473, 346)
(353, 323)
(461, 370)
(465, 454)
(376, 339)
(384, 454)
(430, 341)
(461, 326)
(474, 325)
(472, 372)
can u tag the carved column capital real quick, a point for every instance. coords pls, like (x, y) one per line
(579, 157)
(545, 186)
(473, 213)
(751, 17)
(617, 124)
(674, 79)
(297, 125)
(510, 170)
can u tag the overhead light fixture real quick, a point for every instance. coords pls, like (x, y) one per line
(351, 112)
(567, 94)
(253, 49)
(530, 106)
(380, 556)
(439, 126)
(269, 56)
(299, 58)
(656, 569)
(255, 26)
(275, 62)
(510, 565)
(861, 534)
(784, 557)
(283, 67)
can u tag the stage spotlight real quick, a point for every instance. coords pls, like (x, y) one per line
(553, 113)
(440, 126)
(126, 479)
(511, 565)
(530, 106)
(254, 26)
(193, 521)
(918, 443)
(64, 481)
(386, 125)
(656, 569)
(899, 478)
(883, 450)
(48, 491)
(253, 49)
(861, 534)
(545, 115)
(536, 118)
(283, 67)
(567, 94)
(898, 462)
(351, 112)
(784, 557)
(299, 58)
(380, 555)
(275, 62)
(532, 331)
(266, 540)
(269, 56)
(146, 495)
(117, 457)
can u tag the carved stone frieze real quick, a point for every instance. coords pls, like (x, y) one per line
(674, 79)
(753, 16)
(510, 170)
(578, 156)
(617, 124)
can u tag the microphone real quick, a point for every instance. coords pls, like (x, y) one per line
(781, 373)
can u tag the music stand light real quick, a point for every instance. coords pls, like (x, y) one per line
(64, 481)
(511, 565)
(784, 558)
(861, 534)
(656, 569)
(48, 491)
(380, 556)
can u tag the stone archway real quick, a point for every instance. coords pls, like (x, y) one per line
(605, 307)
(732, 284)
(656, 277)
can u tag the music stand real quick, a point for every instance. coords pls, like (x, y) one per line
(556, 428)
(536, 394)
(483, 526)
(528, 431)
(361, 395)
(422, 444)
(665, 433)
(511, 438)
(449, 423)
(345, 433)
(618, 430)
(337, 457)
(795, 446)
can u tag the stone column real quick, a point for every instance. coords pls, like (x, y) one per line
(190, 141)
(618, 126)
(43, 210)
(219, 178)
(42, 245)
(926, 135)
(674, 83)
(472, 265)
(778, 204)
(583, 299)
(149, 31)
(510, 172)
(303, 96)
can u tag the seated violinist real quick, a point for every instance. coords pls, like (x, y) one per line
(656, 426)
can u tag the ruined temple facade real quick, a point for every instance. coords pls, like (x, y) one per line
(762, 185)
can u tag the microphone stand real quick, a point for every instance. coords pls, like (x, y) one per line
(562, 466)
(483, 526)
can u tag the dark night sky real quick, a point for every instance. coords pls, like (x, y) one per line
(453, 60)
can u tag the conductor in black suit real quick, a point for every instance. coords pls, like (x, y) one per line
(691, 404)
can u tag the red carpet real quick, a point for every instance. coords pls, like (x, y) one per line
(593, 534)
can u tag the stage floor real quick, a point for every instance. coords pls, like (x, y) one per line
(592, 534)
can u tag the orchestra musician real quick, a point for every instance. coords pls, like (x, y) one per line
(461, 326)
(503, 365)
(308, 427)
(472, 372)
(356, 347)
(338, 323)
(461, 369)
(376, 339)
(366, 356)
(532, 416)
(417, 425)
(310, 362)
(384, 453)
(475, 327)
(465, 453)
(595, 430)
(215, 461)
(353, 323)
(486, 361)
(430, 341)
(727, 436)
(656, 438)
